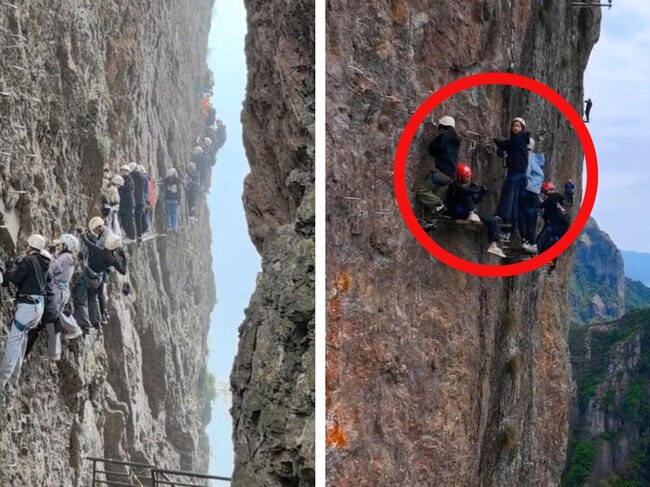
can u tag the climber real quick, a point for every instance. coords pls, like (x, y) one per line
(99, 230)
(55, 318)
(202, 162)
(111, 200)
(221, 136)
(462, 197)
(588, 105)
(29, 275)
(211, 116)
(139, 184)
(444, 149)
(146, 218)
(529, 200)
(569, 191)
(556, 221)
(151, 202)
(516, 150)
(127, 204)
(86, 292)
(172, 188)
(98, 234)
(193, 183)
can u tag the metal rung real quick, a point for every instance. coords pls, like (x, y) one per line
(180, 484)
(110, 483)
(113, 473)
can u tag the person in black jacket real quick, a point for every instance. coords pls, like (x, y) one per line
(444, 149)
(516, 151)
(172, 190)
(86, 291)
(139, 190)
(556, 221)
(29, 275)
(127, 203)
(193, 188)
(460, 203)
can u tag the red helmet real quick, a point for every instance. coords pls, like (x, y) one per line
(463, 172)
(548, 186)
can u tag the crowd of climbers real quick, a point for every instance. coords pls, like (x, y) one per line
(448, 191)
(60, 287)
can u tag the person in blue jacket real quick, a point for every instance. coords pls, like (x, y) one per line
(528, 212)
(569, 191)
(516, 152)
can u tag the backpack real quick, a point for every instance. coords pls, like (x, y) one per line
(535, 173)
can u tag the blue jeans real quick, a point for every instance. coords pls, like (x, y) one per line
(171, 214)
(27, 317)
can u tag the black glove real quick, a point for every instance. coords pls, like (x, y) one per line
(484, 190)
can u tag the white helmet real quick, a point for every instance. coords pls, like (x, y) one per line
(141, 168)
(447, 121)
(171, 172)
(520, 120)
(125, 168)
(95, 222)
(118, 180)
(132, 166)
(531, 144)
(37, 241)
(113, 242)
(197, 150)
(207, 141)
(191, 166)
(70, 242)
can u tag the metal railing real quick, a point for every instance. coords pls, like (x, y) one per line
(133, 474)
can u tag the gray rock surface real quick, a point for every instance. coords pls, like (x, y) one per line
(436, 377)
(598, 282)
(273, 377)
(86, 84)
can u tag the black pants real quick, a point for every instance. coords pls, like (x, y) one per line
(569, 198)
(528, 215)
(127, 221)
(193, 198)
(492, 226)
(139, 220)
(509, 200)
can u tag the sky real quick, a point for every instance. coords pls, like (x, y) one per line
(235, 260)
(617, 81)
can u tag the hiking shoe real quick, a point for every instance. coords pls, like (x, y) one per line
(504, 237)
(104, 319)
(473, 217)
(532, 249)
(496, 251)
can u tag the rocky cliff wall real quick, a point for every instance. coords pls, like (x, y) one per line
(436, 377)
(273, 376)
(86, 84)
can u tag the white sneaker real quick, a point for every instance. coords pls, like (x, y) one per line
(496, 251)
(473, 217)
(529, 248)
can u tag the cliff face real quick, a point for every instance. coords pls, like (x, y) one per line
(273, 376)
(598, 285)
(436, 377)
(86, 84)
(611, 419)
